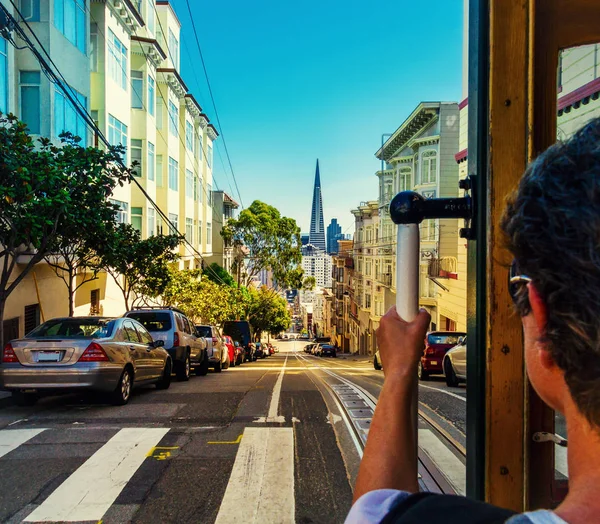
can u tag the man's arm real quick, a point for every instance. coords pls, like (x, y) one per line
(389, 460)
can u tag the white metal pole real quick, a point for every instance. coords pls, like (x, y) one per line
(407, 297)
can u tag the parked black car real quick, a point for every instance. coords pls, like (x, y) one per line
(327, 350)
(240, 332)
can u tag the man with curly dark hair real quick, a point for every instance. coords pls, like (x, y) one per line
(552, 227)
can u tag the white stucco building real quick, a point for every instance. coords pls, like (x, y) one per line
(316, 263)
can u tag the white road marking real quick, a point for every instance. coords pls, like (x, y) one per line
(450, 466)
(89, 492)
(274, 406)
(261, 485)
(439, 390)
(12, 438)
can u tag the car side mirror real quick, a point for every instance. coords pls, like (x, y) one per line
(158, 343)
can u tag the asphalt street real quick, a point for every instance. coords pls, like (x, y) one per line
(278, 440)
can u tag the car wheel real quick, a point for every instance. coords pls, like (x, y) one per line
(451, 378)
(218, 367)
(232, 362)
(24, 399)
(165, 379)
(182, 371)
(202, 369)
(376, 364)
(120, 396)
(421, 373)
(226, 364)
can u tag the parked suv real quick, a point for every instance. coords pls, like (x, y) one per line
(240, 332)
(218, 356)
(437, 343)
(179, 335)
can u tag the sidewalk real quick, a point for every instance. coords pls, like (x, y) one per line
(355, 357)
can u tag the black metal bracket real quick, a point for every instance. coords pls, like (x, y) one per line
(409, 207)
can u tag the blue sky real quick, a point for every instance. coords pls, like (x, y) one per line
(297, 81)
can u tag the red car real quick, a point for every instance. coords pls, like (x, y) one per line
(231, 348)
(437, 343)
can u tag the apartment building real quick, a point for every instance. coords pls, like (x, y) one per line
(122, 60)
(343, 267)
(223, 209)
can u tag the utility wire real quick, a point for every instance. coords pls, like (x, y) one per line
(82, 111)
(213, 101)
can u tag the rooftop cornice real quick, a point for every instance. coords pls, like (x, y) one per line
(166, 3)
(150, 48)
(406, 159)
(126, 12)
(174, 80)
(424, 113)
(423, 141)
(212, 132)
(193, 106)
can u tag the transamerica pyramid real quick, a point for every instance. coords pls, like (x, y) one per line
(317, 228)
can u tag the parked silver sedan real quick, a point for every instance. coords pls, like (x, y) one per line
(102, 354)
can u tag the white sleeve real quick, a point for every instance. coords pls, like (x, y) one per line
(372, 507)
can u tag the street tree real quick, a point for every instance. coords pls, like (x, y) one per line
(268, 312)
(44, 187)
(140, 268)
(272, 242)
(219, 275)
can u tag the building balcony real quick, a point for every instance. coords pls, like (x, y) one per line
(384, 278)
(444, 267)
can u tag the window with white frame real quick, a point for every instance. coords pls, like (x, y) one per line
(200, 232)
(136, 156)
(117, 134)
(150, 20)
(174, 49)
(3, 75)
(388, 191)
(70, 20)
(195, 187)
(151, 221)
(208, 233)
(122, 216)
(30, 9)
(367, 301)
(368, 268)
(173, 118)
(189, 230)
(200, 189)
(428, 230)
(209, 156)
(117, 60)
(429, 167)
(137, 218)
(137, 89)
(189, 183)
(404, 179)
(160, 108)
(151, 162)
(66, 118)
(173, 174)
(151, 95)
(159, 225)
(173, 223)
(189, 136)
(94, 49)
(30, 100)
(209, 196)
(416, 169)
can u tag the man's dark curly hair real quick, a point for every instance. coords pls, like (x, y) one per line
(552, 225)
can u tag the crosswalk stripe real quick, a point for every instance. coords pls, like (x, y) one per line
(448, 463)
(261, 485)
(89, 492)
(12, 438)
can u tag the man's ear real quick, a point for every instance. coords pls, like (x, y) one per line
(539, 312)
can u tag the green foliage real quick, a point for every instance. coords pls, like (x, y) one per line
(204, 300)
(46, 189)
(268, 312)
(309, 283)
(139, 267)
(273, 243)
(215, 273)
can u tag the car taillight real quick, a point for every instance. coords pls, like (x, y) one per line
(176, 339)
(9, 356)
(214, 339)
(94, 353)
(430, 351)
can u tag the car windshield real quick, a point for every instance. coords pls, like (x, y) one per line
(74, 328)
(153, 321)
(204, 331)
(444, 338)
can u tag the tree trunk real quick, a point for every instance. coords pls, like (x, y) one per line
(71, 293)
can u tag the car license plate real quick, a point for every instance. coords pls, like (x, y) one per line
(434, 362)
(49, 356)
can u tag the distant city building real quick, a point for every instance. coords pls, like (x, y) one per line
(316, 263)
(333, 231)
(304, 239)
(317, 227)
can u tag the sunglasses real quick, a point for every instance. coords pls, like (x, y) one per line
(516, 280)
